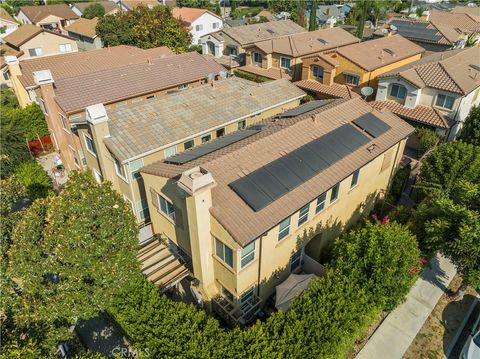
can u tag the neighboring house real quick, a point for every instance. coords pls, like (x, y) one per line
(470, 10)
(30, 41)
(281, 57)
(109, 6)
(83, 31)
(356, 65)
(198, 22)
(232, 41)
(249, 211)
(437, 91)
(51, 17)
(439, 31)
(129, 137)
(7, 23)
(127, 5)
(227, 23)
(329, 15)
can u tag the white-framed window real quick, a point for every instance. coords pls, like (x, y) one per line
(64, 123)
(317, 72)
(247, 300)
(142, 206)
(90, 144)
(41, 102)
(215, 25)
(248, 254)
(188, 144)
(303, 214)
(120, 169)
(65, 47)
(82, 157)
(242, 124)
(224, 252)
(98, 176)
(232, 50)
(135, 168)
(286, 63)
(257, 59)
(169, 152)
(199, 27)
(355, 176)
(335, 192)
(37, 51)
(352, 79)
(296, 260)
(166, 207)
(321, 200)
(206, 138)
(445, 101)
(284, 228)
(398, 91)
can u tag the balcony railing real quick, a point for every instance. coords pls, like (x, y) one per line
(235, 315)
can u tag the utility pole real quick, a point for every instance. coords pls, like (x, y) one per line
(312, 23)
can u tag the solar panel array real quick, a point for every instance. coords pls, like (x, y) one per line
(209, 147)
(272, 181)
(371, 124)
(300, 110)
(416, 30)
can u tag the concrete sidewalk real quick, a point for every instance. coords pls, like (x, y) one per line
(393, 337)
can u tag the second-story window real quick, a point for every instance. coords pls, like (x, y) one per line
(65, 48)
(119, 168)
(284, 229)
(215, 25)
(64, 123)
(355, 178)
(37, 51)
(335, 192)
(199, 27)
(166, 207)
(206, 138)
(90, 144)
(248, 254)
(317, 72)
(286, 63)
(257, 59)
(321, 203)
(224, 252)
(352, 79)
(303, 215)
(445, 101)
(242, 124)
(398, 91)
(171, 151)
(188, 144)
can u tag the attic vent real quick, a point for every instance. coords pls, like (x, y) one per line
(322, 41)
(270, 31)
(390, 52)
(475, 67)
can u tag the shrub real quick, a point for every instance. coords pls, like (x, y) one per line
(250, 77)
(383, 257)
(245, 12)
(398, 183)
(471, 129)
(33, 177)
(428, 139)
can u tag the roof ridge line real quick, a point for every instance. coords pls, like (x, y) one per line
(450, 76)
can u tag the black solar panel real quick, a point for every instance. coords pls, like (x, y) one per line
(300, 110)
(372, 124)
(270, 182)
(416, 30)
(209, 147)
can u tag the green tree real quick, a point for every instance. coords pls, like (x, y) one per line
(428, 139)
(471, 128)
(312, 22)
(301, 9)
(94, 10)
(384, 256)
(445, 166)
(68, 259)
(233, 5)
(144, 28)
(8, 99)
(13, 146)
(34, 178)
(360, 13)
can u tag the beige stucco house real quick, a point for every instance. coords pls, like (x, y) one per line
(52, 17)
(249, 211)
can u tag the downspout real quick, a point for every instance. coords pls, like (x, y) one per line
(259, 264)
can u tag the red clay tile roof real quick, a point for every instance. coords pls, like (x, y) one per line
(38, 13)
(422, 114)
(74, 94)
(190, 14)
(79, 63)
(333, 91)
(232, 162)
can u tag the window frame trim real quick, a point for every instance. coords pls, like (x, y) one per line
(85, 137)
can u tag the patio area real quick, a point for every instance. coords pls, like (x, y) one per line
(47, 163)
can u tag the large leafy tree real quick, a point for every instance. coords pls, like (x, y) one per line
(144, 28)
(13, 145)
(94, 10)
(70, 255)
(471, 129)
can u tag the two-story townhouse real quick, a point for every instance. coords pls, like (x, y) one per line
(74, 64)
(51, 17)
(282, 57)
(64, 100)
(85, 34)
(121, 139)
(199, 22)
(249, 211)
(230, 43)
(30, 41)
(349, 68)
(437, 91)
(7, 23)
(438, 31)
